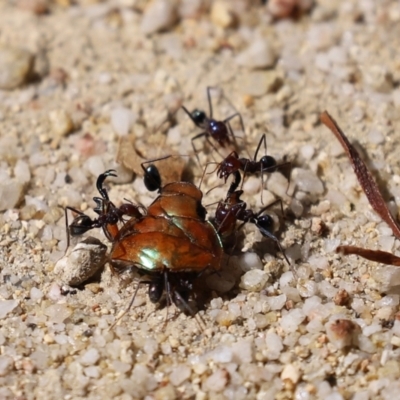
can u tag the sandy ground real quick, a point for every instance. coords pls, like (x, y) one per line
(106, 85)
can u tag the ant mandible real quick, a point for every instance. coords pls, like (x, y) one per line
(234, 209)
(218, 130)
(109, 214)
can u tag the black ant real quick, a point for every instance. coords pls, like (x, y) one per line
(233, 209)
(218, 130)
(109, 214)
(232, 164)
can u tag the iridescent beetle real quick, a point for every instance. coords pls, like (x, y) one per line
(172, 244)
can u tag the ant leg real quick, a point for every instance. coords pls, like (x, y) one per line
(270, 235)
(207, 136)
(152, 161)
(278, 167)
(262, 140)
(167, 287)
(67, 225)
(233, 135)
(264, 229)
(226, 121)
(130, 303)
(236, 114)
(194, 147)
(209, 88)
(235, 184)
(204, 173)
(212, 145)
(269, 206)
(100, 180)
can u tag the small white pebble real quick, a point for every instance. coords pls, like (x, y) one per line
(291, 372)
(92, 372)
(11, 193)
(307, 181)
(221, 354)
(95, 165)
(286, 278)
(6, 306)
(121, 367)
(54, 292)
(249, 261)
(174, 135)
(258, 55)
(122, 120)
(22, 172)
(58, 313)
(277, 302)
(307, 288)
(254, 280)
(221, 14)
(90, 357)
(371, 329)
(61, 123)
(150, 346)
(159, 15)
(217, 381)
(243, 351)
(291, 321)
(252, 185)
(6, 365)
(36, 294)
(334, 396)
(179, 374)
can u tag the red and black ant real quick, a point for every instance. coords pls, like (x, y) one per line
(109, 214)
(232, 164)
(233, 209)
(218, 130)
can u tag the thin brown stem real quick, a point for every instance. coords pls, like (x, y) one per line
(364, 176)
(373, 255)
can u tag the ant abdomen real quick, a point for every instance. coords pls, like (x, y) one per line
(81, 224)
(265, 223)
(268, 164)
(152, 178)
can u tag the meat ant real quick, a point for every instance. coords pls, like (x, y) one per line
(109, 214)
(232, 164)
(234, 209)
(218, 130)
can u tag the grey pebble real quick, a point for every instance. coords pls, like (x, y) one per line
(15, 66)
(87, 258)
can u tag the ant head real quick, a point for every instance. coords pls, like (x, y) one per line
(265, 223)
(198, 116)
(80, 225)
(268, 163)
(156, 289)
(152, 178)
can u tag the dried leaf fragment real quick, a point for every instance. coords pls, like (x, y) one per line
(171, 168)
(364, 176)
